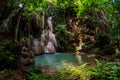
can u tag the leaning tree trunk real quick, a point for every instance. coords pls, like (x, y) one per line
(18, 21)
(17, 26)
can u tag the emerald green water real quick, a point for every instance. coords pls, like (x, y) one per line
(57, 60)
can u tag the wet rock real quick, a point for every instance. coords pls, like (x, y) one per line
(52, 38)
(36, 46)
(49, 42)
(29, 41)
(27, 56)
(26, 61)
(49, 48)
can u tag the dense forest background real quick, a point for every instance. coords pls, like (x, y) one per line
(74, 21)
(80, 26)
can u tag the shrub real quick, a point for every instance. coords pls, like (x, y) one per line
(8, 57)
(74, 73)
(102, 71)
(63, 38)
(30, 74)
(105, 71)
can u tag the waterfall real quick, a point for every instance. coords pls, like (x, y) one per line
(48, 38)
(47, 42)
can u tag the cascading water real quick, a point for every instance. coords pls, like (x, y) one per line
(47, 42)
(48, 38)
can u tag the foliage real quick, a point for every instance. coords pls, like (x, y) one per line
(6, 55)
(105, 70)
(9, 54)
(74, 73)
(92, 5)
(62, 35)
(89, 11)
(114, 18)
(29, 3)
(7, 74)
(102, 71)
(115, 57)
(30, 74)
(64, 3)
(69, 73)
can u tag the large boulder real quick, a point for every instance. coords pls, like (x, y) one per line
(49, 41)
(49, 48)
(27, 56)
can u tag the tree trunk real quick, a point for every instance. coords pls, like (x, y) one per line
(18, 21)
(17, 27)
(43, 21)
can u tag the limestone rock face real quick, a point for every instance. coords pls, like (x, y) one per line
(49, 48)
(49, 41)
(27, 56)
(52, 38)
(46, 44)
(36, 46)
(48, 38)
(29, 41)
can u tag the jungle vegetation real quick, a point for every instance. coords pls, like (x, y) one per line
(89, 26)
